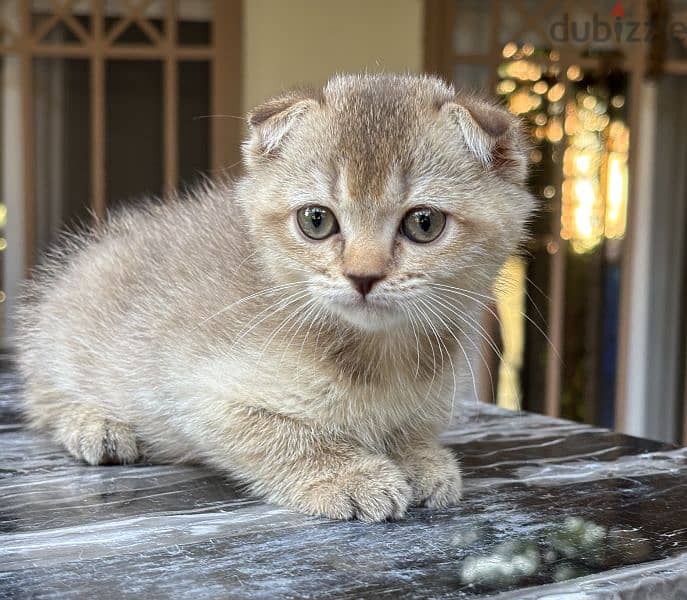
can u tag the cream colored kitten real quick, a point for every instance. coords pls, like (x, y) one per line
(303, 330)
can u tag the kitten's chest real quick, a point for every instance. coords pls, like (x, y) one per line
(375, 413)
(369, 390)
(393, 393)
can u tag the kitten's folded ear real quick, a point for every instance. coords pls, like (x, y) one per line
(271, 122)
(493, 135)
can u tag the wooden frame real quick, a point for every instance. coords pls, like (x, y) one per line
(98, 45)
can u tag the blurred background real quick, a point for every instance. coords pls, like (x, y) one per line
(104, 101)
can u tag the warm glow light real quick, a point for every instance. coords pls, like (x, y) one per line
(583, 164)
(540, 87)
(509, 49)
(510, 295)
(556, 92)
(524, 70)
(523, 102)
(574, 73)
(572, 123)
(3, 244)
(616, 195)
(540, 119)
(589, 102)
(584, 211)
(618, 101)
(592, 148)
(582, 208)
(507, 86)
(619, 137)
(585, 149)
(554, 132)
(582, 203)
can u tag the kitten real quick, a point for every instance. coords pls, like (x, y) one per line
(306, 328)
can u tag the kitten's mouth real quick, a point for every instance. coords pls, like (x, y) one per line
(365, 304)
(367, 313)
(375, 311)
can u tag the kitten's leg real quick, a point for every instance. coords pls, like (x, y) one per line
(433, 472)
(86, 433)
(318, 472)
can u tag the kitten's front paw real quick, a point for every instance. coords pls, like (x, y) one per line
(370, 489)
(434, 475)
(98, 440)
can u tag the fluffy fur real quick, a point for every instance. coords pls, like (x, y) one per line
(209, 329)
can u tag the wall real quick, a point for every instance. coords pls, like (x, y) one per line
(306, 41)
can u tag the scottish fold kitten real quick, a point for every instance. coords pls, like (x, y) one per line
(304, 329)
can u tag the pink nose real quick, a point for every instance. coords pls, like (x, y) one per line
(364, 283)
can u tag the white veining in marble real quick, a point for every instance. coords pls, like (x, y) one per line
(548, 499)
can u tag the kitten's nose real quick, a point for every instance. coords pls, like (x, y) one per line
(363, 283)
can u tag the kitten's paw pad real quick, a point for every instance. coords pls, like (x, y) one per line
(370, 490)
(435, 478)
(99, 441)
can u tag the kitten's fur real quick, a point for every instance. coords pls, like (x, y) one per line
(210, 329)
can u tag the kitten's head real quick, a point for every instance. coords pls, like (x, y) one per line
(378, 190)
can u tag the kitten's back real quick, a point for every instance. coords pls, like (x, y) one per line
(97, 303)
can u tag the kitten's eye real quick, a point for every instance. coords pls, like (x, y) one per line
(423, 225)
(317, 222)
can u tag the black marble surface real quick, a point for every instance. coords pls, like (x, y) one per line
(552, 509)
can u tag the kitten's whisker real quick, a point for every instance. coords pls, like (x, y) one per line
(295, 313)
(311, 306)
(487, 338)
(509, 286)
(441, 303)
(249, 297)
(199, 117)
(422, 318)
(448, 354)
(417, 341)
(320, 309)
(267, 312)
(453, 373)
(539, 312)
(244, 261)
(461, 293)
(466, 293)
(536, 287)
(270, 309)
(292, 315)
(478, 328)
(474, 324)
(317, 341)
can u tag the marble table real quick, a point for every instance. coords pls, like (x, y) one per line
(552, 509)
